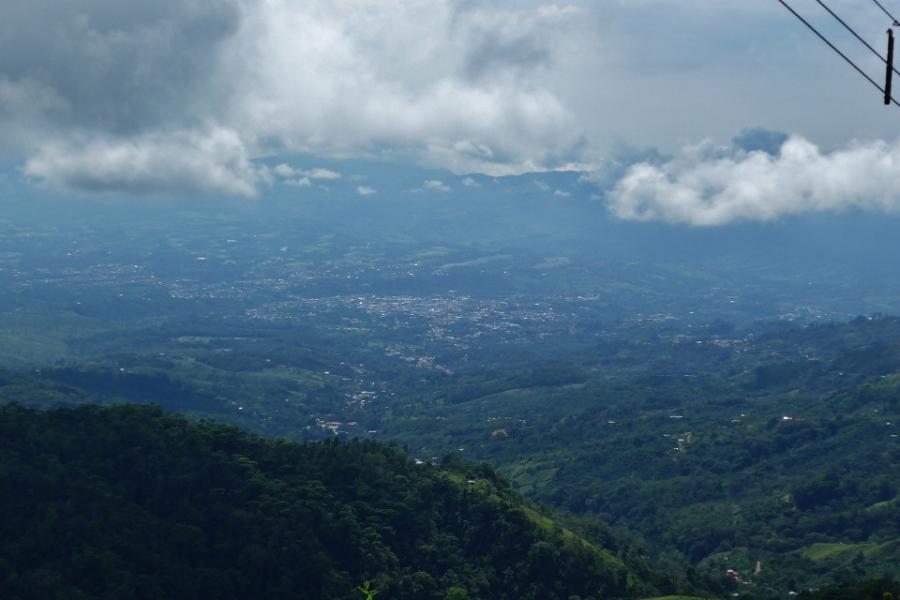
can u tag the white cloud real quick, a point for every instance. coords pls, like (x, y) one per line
(365, 191)
(322, 174)
(208, 162)
(451, 82)
(561, 194)
(395, 79)
(285, 171)
(301, 177)
(492, 87)
(706, 185)
(299, 182)
(471, 183)
(435, 185)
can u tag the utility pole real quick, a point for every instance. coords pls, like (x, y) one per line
(889, 77)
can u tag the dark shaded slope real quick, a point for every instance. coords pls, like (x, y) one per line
(132, 502)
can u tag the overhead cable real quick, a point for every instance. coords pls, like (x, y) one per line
(835, 48)
(856, 35)
(884, 10)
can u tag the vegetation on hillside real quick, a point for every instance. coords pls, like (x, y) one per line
(133, 502)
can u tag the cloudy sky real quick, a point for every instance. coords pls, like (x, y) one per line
(190, 97)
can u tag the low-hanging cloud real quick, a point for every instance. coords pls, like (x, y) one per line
(201, 162)
(177, 96)
(492, 87)
(707, 185)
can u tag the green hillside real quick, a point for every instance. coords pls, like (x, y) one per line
(133, 502)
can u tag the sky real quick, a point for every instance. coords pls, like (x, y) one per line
(649, 98)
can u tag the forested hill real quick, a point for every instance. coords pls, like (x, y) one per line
(133, 502)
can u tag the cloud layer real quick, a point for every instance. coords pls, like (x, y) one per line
(168, 96)
(707, 185)
(212, 162)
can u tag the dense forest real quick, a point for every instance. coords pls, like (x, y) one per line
(768, 450)
(133, 502)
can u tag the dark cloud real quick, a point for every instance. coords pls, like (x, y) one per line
(492, 53)
(116, 66)
(503, 41)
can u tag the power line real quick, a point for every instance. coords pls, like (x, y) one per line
(856, 35)
(833, 47)
(884, 10)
